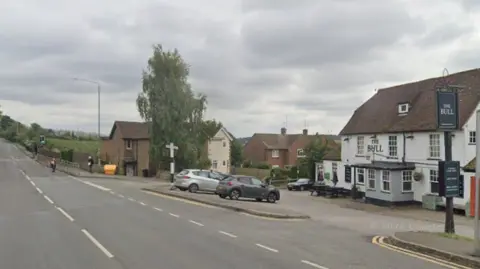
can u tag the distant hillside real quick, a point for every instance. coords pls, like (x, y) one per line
(243, 140)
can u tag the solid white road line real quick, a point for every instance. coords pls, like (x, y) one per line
(173, 215)
(228, 234)
(314, 264)
(65, 213)
(196, 223)
(39, 190)
(48, 199)
(267, 248)
(96, 186)
(158, 209)
(100, 246)
(142, 203)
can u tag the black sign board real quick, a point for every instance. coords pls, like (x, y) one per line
(449, 178)
(447, 109)
(348, 173)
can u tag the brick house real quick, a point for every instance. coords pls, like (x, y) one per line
(282, 150)
(127, 147)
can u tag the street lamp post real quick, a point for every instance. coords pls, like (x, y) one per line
(98, 105)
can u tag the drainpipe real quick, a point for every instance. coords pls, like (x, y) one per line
(404, 147)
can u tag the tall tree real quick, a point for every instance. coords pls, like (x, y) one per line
(174, 111)
(236, 153)
(314, 152)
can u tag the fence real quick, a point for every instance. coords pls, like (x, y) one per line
(254, 172)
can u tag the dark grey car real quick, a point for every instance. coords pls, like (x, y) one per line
(247, 187)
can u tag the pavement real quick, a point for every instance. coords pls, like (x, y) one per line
(55, 220)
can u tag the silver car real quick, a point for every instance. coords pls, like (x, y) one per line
(195, 180)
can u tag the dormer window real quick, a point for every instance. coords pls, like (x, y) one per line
(403, 108)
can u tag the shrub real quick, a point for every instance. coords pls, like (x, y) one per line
(261, 166)
(67, 155)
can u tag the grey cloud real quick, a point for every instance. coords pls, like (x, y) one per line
(446, 33)
(348, 32)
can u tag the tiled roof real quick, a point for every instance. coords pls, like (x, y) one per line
(380, 113)
(131, 129)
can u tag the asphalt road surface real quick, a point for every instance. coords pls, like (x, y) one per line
(54, 221)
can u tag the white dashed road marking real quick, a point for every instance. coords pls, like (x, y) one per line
(96, 186)
(158, 209)
(173, 215)
(196, 223)
(65, 213)
(48, 199)
(267, 248)
(121, 196)
(131, 199)
(314, 265)
(142, 203)
(39, 190)
(95, 241)
(33, 183)
(228, 234)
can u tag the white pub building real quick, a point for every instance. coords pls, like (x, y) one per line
(391, 148)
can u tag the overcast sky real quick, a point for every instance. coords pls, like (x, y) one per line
(260, 62)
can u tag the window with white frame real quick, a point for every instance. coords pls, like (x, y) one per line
(275, 153)
(472, 137)
(386, 180)
(360, 176)
(434, 186)
(214, 165)
(392, 146)
(334, 167)
(407, 177)
(371, 179)
(360, 145)
(434, 145)
(402, 108)
(300, 153)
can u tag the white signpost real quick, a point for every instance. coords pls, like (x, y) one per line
(172, 149)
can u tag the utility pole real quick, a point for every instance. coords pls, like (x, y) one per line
(172, 149)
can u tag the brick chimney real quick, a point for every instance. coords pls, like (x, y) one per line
(305, 131)
(283, 131)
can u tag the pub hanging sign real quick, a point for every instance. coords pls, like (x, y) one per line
(447, 109)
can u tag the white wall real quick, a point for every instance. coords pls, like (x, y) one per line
(219, 151)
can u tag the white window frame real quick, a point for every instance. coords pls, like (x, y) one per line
(334, 167)
(403, 108)
(360, 171)
(360, 145)
(386, 178)
(214, 164)
(433, 178)
(275, 153)
(407, 177)
(392, 146)
(371, 179)
(434, 146)
(472, 137)
(128, 143)
(300, 153)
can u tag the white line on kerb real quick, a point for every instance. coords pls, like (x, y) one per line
(142, 203)
(173, 215)
(228, 234)
(96, 186)
(94, 241)
(158, 209)
(65, 213)
(267, 248)
(48, 199)
(39, 190)
(314, 264)
(196, 223)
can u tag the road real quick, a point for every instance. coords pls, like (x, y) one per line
(51, 220)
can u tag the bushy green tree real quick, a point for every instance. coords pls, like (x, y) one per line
(314, 152)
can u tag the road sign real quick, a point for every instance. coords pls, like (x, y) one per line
(447, 109)
(449, 178)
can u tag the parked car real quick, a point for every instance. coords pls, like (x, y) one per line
(195, 180)
(247, 187)
(301, 184)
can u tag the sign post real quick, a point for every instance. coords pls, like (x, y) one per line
(172, 149)
(447, 121)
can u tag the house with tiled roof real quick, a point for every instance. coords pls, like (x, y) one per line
(391, 147)
(282, 149)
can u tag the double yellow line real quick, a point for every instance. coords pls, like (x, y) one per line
(379, 241)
